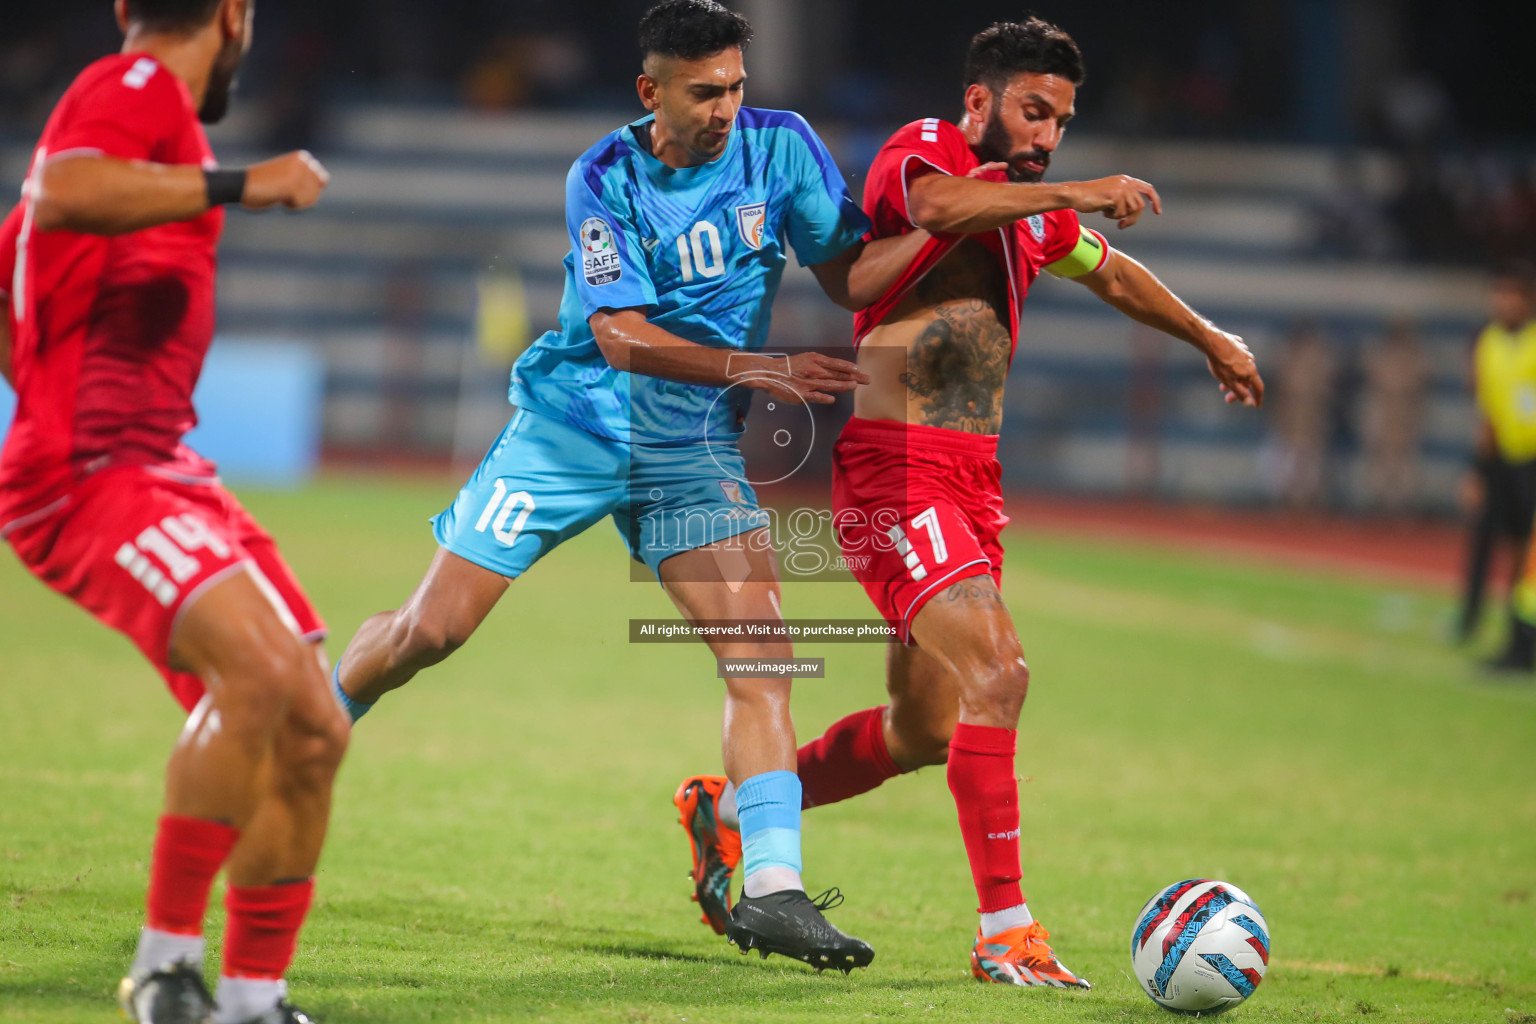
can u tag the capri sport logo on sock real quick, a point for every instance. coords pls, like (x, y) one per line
(1010, 834)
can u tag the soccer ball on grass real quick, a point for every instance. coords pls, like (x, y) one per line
(1200, 947)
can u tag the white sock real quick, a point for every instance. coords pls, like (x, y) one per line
(1000, 921)
(242, 999)
(726, 808)
(771, 879)
(158, 949)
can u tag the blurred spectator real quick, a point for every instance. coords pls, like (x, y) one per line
(1503, 486)
(293, 113)
(1415, 112)
(522, 70)
(1144, 411)
(1207, 91)
(1396, 380)
(1460, 207)
(1350, 223)
(1427, 214)
(497, 80)
(1305, 380)
(1466, 206)
(1138, 99)
(1508, 219)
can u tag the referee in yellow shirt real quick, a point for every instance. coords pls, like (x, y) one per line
(1504, 369)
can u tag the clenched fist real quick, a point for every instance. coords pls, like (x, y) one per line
(293, 181)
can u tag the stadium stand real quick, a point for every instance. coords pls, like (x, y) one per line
(429, 207)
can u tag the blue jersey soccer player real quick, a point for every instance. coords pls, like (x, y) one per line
(680, 226)
(916, 483)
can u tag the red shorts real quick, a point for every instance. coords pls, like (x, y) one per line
(135, 548)
(916, 508)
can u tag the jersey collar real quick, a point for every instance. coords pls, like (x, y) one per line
(677, 177)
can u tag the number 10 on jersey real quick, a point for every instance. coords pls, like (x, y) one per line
(503, 507)
(693, 256)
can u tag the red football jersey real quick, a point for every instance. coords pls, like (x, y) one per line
(110, 332)
(936, 145)
(10, 228)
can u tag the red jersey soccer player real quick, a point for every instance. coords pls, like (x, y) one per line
(9, 229)
(112, 269)
(916, 482)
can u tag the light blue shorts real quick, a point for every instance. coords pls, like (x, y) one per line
(544, 481)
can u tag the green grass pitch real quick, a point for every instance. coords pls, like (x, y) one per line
(504, 846)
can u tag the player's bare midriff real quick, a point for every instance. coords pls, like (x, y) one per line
(940, 358)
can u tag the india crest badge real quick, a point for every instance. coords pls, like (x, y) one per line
(752, 221)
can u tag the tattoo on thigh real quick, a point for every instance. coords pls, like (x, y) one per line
(970, 590)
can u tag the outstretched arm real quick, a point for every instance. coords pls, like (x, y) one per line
(860, 276)
(1135, 291)
(102, 195)
(950, 204)
(633, 344)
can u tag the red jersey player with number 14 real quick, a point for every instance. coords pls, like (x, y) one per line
(111, 261)
(917, 493)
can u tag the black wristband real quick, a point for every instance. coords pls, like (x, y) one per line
(224, 187)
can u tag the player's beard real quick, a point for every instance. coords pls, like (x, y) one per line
(221, 82)
(994, 148)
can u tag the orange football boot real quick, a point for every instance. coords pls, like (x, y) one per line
(1021, 956)
(716, 847)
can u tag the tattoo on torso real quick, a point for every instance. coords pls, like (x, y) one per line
(957, 366)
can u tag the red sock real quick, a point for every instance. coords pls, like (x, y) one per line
(263, 928)
(188, 854)
(987, 797)
(849, 759)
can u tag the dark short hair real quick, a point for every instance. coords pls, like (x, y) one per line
(691, 29)
(1010, 48)
(172, 15)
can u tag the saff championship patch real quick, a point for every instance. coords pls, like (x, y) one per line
(600, 263)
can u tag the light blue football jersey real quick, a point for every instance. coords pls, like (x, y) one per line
(702, 249)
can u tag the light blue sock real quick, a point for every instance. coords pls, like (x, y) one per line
(355, 709)
(769, 808)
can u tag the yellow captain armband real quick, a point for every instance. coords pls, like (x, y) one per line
(1087, 256)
